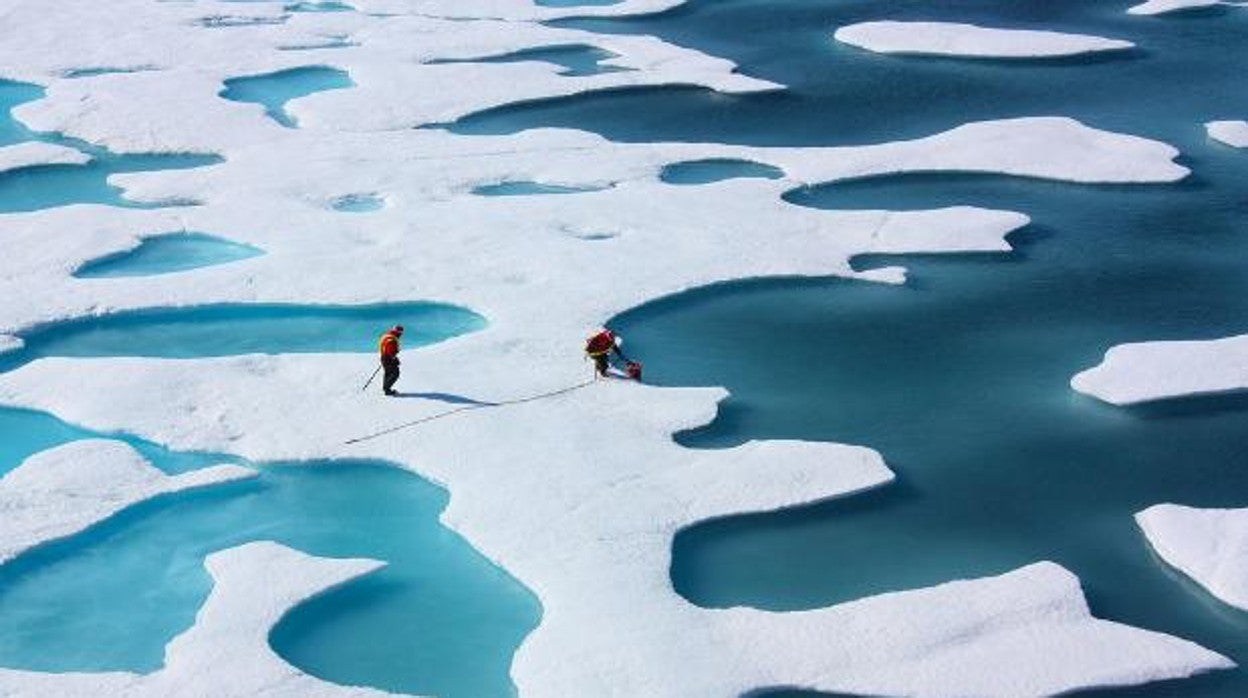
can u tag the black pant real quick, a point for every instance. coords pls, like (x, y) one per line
(391, 366)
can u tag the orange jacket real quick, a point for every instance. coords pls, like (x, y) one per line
(389, 345)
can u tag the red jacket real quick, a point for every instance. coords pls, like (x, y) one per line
(600, 344)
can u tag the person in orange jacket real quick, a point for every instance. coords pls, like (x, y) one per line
(389, 349)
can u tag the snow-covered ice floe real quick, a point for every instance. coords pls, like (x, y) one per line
(1144, 371)
(587, 518)
(582, 509)
(35, 153)
(1208, 545)
(59, 492)
(1232, 133)
(1161, 7)
(226, 652)
(972, 41)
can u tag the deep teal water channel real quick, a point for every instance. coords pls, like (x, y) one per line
(960, 377)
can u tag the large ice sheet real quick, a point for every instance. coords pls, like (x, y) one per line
(595, 490)
(1208, 545)
(226, 652)
(581, 510)
(59, 492)
(969, 40)
(1144, 371)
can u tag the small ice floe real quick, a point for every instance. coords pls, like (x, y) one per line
(1208, 545)
(971, 41)
(1140, 372)
(1232, 133)
(1161, 7)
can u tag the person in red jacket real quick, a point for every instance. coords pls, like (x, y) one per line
(389, 349)
(600, 346)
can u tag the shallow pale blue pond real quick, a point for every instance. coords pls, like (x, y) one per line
(439, 620)
(710, 171)
(232, 329)
(358, 203)
(46, 186)
(167, 254)
(273, 90)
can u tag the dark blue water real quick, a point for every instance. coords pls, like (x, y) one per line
(577, 60)
(233, 329)
(439, 620)
(167, 254)
(274, 90)
(46, 186)
(709, 171)
(1176, 80)
(960, 378)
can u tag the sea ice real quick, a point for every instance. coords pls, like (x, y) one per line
(1144, 371)
(969, 40)
(1232, 133)
(588, 516)
(36, 153)
(1159, 7)
(1208, 545)
(59, 492)
(579, 495)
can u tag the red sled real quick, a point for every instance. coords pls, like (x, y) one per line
(633, 369)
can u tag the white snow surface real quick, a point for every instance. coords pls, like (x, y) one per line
(33, 153)
(587, 515)
(1144, 371)
(1208, 545)
(226, 652)
(62, 491)
(1161, 7)
(1232, 133)
(969, 40)
(582, 510)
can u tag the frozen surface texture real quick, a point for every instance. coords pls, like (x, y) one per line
(1132, 373)
(581, 510)
(227, 651)
(59, 492)
(34, 153)
(587, 519)
(1208, 545)
(1232, 133)
(969, 40)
